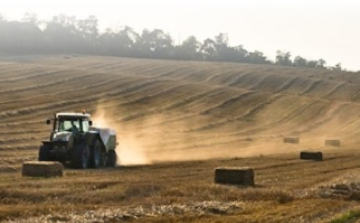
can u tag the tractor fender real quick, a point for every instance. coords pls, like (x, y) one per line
(107, 137)
(91, 138)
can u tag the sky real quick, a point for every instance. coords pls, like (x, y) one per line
(312, 29)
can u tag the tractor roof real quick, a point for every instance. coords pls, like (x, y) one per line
(72, 114)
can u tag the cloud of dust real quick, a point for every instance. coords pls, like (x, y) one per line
(157, 138)
(129, 150)
(151, 140)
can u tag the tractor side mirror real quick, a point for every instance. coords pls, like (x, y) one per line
(48, 121)
(90, 123)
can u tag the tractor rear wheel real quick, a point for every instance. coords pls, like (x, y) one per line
(111, 158)
(97, 156)
(80, 156)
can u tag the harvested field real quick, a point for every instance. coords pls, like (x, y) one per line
(177, 122)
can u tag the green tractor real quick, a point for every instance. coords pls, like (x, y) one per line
(73, 141)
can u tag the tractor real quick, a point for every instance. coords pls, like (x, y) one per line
(73, 141)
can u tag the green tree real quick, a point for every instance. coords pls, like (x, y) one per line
(88, 29)
(62, 36)
(337, 67)
(208, 49)
(321, 63)
(283, 58)
(256, 57)
(189, 49)
(20, 37)
(300, 61)
(312, 63)
(121, 43)
(155, 44)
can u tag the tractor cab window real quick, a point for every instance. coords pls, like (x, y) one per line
(71, 125)
(85, 125)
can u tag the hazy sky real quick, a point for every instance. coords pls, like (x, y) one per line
(310, 28)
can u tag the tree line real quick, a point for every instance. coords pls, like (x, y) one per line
(68, 35)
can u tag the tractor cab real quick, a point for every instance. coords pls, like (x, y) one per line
(72, 122)
(68, 123)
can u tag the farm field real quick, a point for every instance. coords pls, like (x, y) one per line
(176, 122)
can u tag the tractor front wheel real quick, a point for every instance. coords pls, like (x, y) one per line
(44, 153)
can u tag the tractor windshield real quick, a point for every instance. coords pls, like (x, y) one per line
(72, 124)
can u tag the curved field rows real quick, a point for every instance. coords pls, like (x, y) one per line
(180, 111)
(166, 105)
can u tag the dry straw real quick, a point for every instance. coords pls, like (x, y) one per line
(305, 155)
(294, 140)
(235, 175)
(42, 169)
(333, 142)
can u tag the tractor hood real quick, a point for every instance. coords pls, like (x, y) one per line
(62, 136)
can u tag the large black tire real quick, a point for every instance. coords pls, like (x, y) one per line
(44, 153)
(111, 158)
(80, 156)
(97, 155)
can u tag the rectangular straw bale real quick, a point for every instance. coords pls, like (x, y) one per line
(293, 140)
(306, 155)
(333, 142)
(235, 175)
(42, 169)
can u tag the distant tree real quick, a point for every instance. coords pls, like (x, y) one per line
(321, 63)
(189, 49)
(300, 62)
(121, 43)
(65, 34)
(312, 63)
(20, 37)
(257, 57)
(235, 54)
(208, 49)
(221, 48)
(283, 58)
(155, 44)
(224, 52)
(337, 67)
(128, 38)
(88, 29)
(108, 44)
(62, 36)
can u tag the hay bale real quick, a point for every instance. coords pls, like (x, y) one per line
(293, 140)
(306, 155)
(235, 175)
(42, 169)
(333, 142)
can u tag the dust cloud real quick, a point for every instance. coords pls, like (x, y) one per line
(150, 139)
(129, 149)
(158, 137)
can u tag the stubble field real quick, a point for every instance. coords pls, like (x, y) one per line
(176, 122)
